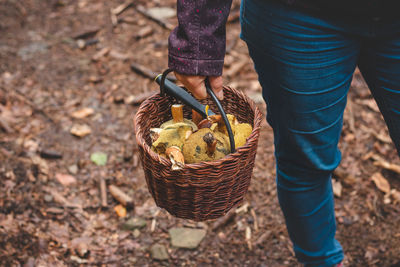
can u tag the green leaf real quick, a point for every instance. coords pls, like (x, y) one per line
(99, 158)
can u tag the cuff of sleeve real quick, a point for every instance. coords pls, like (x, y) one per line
(195, 66)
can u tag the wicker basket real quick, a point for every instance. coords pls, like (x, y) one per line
(205, 190)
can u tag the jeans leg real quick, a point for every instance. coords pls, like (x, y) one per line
(380, 66)
(305, 67)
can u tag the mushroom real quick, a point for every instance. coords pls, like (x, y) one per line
(242, 132)
(175, 155)
(221, 124)
(177, 117)
(173, 132)
(211, 143)
(172, 135)
(196, 117)
(205, 145)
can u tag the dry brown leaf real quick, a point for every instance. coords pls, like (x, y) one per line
(82, 113)
(337, 188)
(388, 166)
(120, 210)
(369, 103)
(380, 182)
(80, 130)
(65, 179)
(395, 195)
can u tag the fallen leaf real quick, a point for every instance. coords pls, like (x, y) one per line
(120, 210)
(337, 188)
(65, 179)
(388, 166)
(99, 158)
(80, 130)
(162, 12)
(82, 113)
(380, 182)
(395, 195)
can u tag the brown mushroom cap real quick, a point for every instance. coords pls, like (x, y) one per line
(195, 148)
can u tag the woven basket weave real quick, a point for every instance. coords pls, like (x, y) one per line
(200, 191)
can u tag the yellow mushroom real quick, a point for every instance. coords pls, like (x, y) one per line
(205, 145)
(242, 132)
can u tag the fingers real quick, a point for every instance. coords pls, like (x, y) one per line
(216, 84)
(195, 84)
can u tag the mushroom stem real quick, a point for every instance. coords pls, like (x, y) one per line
(176, 157)
(211, 143)
(196, 117)
(177, 112)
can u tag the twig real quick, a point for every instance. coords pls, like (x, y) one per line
(253, 213)
(143, 71)
(121, 8)
(86, 33)
(100, 54)
(135, 161)
(263, 237)
(50, 154)
(248, 238)
(161, 22)
(388, 166)
(224, 220)
(147, 72)
(103, 192)
(121, 197)
(138, 99)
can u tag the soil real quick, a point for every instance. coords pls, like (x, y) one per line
(50, 207)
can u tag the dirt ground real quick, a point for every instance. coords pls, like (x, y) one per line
(61, 56)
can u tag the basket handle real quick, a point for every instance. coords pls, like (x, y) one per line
(172, 89)
(222, 111)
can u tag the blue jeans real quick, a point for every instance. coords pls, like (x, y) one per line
(305, 64)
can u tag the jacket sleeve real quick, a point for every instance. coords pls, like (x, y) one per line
(197, 45)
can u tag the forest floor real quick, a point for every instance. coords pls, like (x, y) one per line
(65, 67)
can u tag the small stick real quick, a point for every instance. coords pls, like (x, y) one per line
(177, 112)
(103, 192)
(120, 196)
(148, 73)
(121, 8)
(161, 22)
(248, 238)
(389, 166)
(138, 99)
(253, 213)
(135, 161)
(224, 220)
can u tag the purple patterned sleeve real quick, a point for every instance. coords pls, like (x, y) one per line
(197, 45)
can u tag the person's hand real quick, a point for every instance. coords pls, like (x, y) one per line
(195, 84)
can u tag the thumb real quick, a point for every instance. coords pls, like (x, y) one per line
(216, 84)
